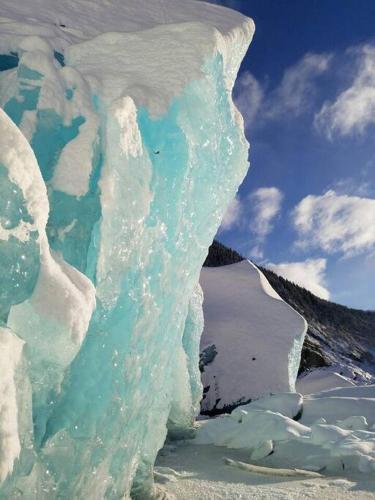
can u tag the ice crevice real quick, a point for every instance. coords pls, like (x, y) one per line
(120, 149)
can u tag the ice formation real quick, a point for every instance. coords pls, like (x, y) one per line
(120, 148)
(321, 380)
(335, 431)
(252, 340)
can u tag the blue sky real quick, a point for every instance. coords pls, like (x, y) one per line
(307, 92)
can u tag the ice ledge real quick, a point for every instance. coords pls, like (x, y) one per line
(71, 22)
(172, 38)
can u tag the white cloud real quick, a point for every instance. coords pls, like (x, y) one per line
(336, 223)
(265, 206)
(293, 96)
(255, 213)
(354, 187)
(297, 89)
(256, 252)
(232, 216)
(354, 109)
(248, 97)
(309, 274)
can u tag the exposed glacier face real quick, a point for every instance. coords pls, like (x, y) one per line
(136, 149)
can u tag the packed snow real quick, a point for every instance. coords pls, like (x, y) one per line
(172, 38)
(185, 471)
(331, 432)
(252, 340)
(321, 380)
(120, 148)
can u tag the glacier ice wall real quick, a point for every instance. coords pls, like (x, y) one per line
(135, 151)
(187, 391)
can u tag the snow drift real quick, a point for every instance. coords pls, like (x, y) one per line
(334, 434)
(136, 150)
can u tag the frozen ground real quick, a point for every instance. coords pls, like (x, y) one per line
(283, 446)
(191, 472)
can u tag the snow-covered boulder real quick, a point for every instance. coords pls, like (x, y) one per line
(334, 434)
(252, 340)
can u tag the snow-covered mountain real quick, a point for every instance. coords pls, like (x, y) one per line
(338, 337)
(337, 350)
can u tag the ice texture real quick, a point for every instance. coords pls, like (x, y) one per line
(187, 392)
(12, 397)
(120, 149)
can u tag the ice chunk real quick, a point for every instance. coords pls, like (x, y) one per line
(263, 450)
(258, 353)
(187, 392)
(323, 434)
(23, 215)
(46, 302)
(289, 404)
(181, 415)
(355, 422)
(335, 408)
(11, 386)
(251, 431)
(131, 121)
(339, 446)
(53, 322)
(190, 341)
(47, 100)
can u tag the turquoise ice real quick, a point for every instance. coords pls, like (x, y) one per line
(104, 305)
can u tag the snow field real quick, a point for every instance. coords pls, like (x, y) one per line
(333, 434)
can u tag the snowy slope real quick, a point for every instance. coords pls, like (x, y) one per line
(252, 339)
(321, 380)
(107, 39)
(339, 339)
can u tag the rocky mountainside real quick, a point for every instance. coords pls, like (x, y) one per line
(338, 337)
